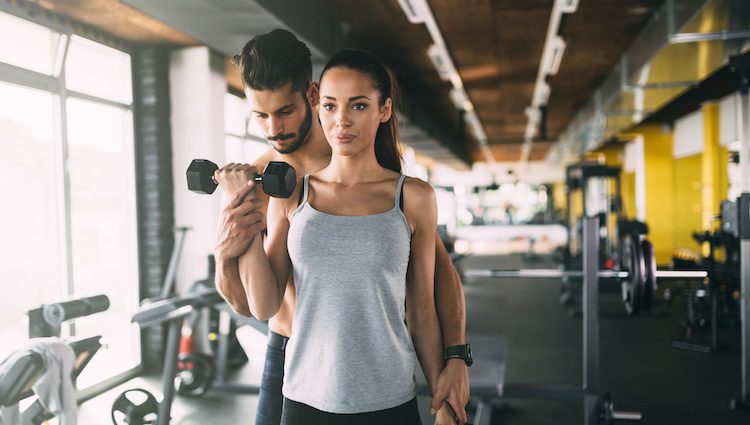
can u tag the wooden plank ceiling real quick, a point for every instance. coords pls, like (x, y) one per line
(496, 46)
(117, 19)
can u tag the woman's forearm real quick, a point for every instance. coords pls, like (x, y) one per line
(261, 285)
(230, 287)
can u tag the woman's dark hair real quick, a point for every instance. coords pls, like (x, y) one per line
(387, 148)
(272, 60)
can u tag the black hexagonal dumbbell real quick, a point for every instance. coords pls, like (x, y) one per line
(278, 179)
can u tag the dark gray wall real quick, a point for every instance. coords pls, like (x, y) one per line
(153, 181)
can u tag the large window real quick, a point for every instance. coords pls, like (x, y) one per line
(31, 239)
(67, 166)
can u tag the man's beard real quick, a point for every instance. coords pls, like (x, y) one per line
(300, 136)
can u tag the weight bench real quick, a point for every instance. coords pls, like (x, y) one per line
(486, 379)
(28, 366)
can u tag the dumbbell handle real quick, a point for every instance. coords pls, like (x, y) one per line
(257, 177)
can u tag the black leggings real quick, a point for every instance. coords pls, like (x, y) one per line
(295, 413)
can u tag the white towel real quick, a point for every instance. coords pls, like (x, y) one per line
(55, 387)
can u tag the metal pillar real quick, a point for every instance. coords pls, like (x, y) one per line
(591, 319)
(170, 371)
(741, 66)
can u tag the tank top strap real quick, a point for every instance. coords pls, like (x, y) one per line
(305, 188)
(399, 189)
(303, 194)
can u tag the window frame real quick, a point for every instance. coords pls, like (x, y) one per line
(55, 84)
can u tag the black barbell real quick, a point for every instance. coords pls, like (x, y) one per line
(636, 287)
(560, 273)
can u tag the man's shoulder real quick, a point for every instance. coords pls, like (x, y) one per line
(263, 160)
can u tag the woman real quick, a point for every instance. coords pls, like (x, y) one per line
(359, 238)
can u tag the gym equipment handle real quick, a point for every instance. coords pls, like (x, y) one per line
(627, 416)
(57, 313)
(159, 311)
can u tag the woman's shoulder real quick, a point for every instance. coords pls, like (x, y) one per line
(418, 195)
(418, 188)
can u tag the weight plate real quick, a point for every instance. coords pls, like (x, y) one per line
(650, 287)
(195, 375)
(135, 407)
(631, 261)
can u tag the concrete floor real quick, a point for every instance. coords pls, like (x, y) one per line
(639, 367)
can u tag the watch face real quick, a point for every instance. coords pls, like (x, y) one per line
(460, 351)
(469, 358)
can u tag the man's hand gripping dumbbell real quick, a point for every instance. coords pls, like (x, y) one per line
(278, 179)
(238, 181)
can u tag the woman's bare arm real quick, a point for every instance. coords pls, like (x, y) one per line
(421, 210)
(264, 269)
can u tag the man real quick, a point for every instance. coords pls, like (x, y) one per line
(277, 75)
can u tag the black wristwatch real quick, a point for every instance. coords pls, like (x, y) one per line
(459, 352)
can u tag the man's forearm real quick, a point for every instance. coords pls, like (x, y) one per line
(449, 298)
(230, 287)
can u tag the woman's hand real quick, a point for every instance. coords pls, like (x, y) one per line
(445, 416)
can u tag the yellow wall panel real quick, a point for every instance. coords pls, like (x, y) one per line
(559, 198)
(628, 194)
(687, 201)
(613, 154)
(710, 165)
(659, 169)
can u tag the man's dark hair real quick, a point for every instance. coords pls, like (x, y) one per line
(272, 60)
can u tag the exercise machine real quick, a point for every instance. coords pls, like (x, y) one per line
(713, 303)
(594, 190)
(598, 405)
(138, 406)
(24, 367)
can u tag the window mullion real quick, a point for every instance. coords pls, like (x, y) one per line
(28, 78)
(101, 100)
(64, 201)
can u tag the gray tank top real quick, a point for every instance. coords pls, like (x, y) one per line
(350, 350)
